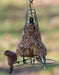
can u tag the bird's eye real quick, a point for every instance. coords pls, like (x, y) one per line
(7, 53)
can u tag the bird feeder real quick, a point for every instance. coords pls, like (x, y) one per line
(31, 47)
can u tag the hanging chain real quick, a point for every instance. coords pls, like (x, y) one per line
(30, 2)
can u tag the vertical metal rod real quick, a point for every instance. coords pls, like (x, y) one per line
(24, 38)
(44, 62)
(31, 60)
(35, 17)
(30, 8)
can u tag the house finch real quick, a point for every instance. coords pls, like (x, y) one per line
(12, 59)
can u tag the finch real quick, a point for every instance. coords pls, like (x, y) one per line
(12, 59)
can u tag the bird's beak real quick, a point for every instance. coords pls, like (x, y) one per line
(4, 53)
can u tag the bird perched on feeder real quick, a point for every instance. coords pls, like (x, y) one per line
(12, 59)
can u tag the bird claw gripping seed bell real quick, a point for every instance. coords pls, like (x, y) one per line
(31, 44)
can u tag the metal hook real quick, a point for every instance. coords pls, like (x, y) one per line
(30, 6)
(30, 1)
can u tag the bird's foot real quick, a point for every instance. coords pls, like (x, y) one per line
(11, 70)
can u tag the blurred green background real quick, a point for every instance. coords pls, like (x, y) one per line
(12, 20)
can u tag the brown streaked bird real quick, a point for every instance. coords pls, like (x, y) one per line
(12, 59)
